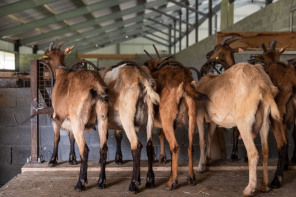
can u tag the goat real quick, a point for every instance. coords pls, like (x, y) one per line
(80, 100)
(277, 127)
(236, 104)
(131, 107)
(176, 107)
(284, 75)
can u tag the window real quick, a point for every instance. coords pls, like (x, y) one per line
(7, 60)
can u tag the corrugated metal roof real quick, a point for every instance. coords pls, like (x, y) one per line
(39, 22)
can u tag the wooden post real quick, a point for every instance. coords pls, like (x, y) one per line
(34, 120)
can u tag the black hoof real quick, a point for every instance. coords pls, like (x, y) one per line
(275, 184)
(162, 159)
(133, 188)
(118, 159)
(150, 180)
(234, 157)
(52, 163)
(172, 186)
(191, 180)
(293, 159)
(79, 187)
(101, 184)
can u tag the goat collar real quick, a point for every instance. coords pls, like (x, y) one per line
(61, 66)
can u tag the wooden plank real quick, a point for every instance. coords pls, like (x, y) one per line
(252, 40)
(9, 75)
(108, 56)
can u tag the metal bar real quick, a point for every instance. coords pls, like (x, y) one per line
(35, 119)
(187, 21)
(155, 21)
(170, 16)
(170, 39)
(175, 41)
(180, 27)
(155, 40)
(210, 17)
(164, 33)
(187, 7)
(196, 21)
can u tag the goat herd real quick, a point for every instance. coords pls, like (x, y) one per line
(163, 94)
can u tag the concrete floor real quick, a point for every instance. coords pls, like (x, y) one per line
(224, 178)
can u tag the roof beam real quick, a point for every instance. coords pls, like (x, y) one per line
(170, 16)
(77, 35)
(21, 5)
(165, 25)
(138, 8)
(156, 41)
(112, 26)
(59, 17)
(185, 6)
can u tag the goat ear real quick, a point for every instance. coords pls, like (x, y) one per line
(238, 50)
(69, 49)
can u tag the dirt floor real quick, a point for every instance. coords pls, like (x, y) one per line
(224, 178)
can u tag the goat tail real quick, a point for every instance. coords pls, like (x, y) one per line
(154, 96)
(194, 93)
(274, 110)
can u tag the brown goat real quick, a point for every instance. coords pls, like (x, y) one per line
(284, 84)
(131, 107)
(177, 107)
(236, 104)
(80, 101)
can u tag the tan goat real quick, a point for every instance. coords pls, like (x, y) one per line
(80, 101)
(131, 107)
(235, 97)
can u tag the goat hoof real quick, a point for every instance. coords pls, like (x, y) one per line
(118, 159)
(150, 180)
(264, 188)
(73, 162)
(134, 188)
(234, 157)
(191, 180)
(162, 159)
(248, 191)
(171, 186)
(275, 184)
(201, 168)
(79, 187)
(293, 159)
(101, 184)
(52, 163)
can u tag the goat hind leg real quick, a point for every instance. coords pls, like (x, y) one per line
(162, 156)
(72, 155)
(83, 151)
(235, 135)
(211, 131)
(118, 155)
(53, 159)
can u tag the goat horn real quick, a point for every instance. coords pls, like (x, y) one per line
(232, 40)
(61, 43)
(272, 44)
(50, 46)
(158, 56)
(224, 40)
(148, 54)
(263, 47)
